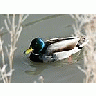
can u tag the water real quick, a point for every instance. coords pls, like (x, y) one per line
(45, 26)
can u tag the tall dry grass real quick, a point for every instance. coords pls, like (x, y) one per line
(85, 25)
(14, 30)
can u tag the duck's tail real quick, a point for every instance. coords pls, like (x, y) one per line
(82, 42)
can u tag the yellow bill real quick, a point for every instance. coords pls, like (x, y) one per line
(28, 51)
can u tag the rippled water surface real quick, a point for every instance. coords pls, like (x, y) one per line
(45, 26)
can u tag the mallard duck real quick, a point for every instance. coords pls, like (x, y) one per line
(54, 49)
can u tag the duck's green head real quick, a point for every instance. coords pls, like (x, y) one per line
(36, 46)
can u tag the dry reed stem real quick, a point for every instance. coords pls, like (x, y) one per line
(14, 31)
(87, 23)
(1, 47)
(5, 79)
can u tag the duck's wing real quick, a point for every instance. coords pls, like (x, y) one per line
(63, 48)
(61, 44)
(57, 47)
